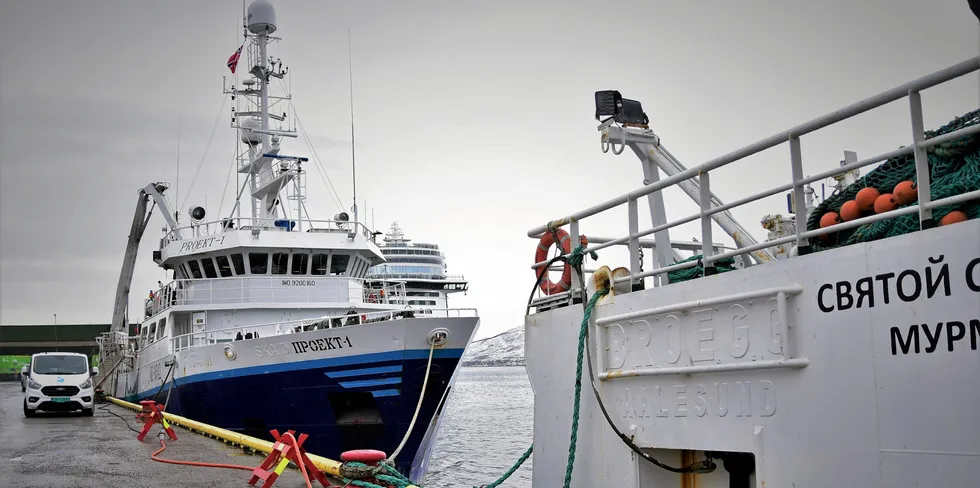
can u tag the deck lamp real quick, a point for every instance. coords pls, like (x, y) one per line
(623, 110)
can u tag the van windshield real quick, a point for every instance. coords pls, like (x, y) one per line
(60, 365)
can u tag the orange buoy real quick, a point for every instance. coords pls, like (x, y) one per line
(952, 218)
(850, 211)
(885, 203)
(866, 199)
(906, 192)
(828, 219)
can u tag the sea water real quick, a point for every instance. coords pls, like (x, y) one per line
(488, 426)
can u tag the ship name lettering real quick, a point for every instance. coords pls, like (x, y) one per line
(907, 285)
(201, 243)
(322, 344)
(271, 350)
(718, 399)
(716, 335)
(912, 342)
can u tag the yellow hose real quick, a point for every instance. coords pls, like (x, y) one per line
(328, 466)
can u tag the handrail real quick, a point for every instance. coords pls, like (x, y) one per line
(792, 136)
(896, 93)
(215, 227)
(248, 289)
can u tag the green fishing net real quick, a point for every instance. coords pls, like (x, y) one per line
(954, 169)
(721, 266)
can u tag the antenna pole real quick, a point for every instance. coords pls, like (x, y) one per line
(353, 164)
(177, 178)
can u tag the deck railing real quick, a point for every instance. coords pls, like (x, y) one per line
(272, 225)
(792, 137)
(275, 289)
(274, 329)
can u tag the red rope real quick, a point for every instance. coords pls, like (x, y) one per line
(194, 463)
(163, 446)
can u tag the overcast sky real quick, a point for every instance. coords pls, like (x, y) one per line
(474, 119)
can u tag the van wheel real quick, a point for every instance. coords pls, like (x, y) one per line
(87, 412)
(28, 412)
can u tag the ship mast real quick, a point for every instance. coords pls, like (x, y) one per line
(268, 172)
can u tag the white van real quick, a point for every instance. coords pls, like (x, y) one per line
(59, 382)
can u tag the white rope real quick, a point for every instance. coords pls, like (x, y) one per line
(391, 459)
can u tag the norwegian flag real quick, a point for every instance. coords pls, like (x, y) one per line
(233, 60)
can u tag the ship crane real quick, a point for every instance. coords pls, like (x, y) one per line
(140, 219)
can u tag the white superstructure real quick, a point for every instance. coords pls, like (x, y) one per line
(421, 267)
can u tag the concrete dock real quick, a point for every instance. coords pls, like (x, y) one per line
(72, 451)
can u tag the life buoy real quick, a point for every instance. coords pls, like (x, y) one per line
(547, 286)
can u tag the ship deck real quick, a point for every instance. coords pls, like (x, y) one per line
(69, 450)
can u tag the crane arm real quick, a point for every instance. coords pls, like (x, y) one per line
(140, 220)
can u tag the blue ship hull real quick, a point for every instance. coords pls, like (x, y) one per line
(356, 402)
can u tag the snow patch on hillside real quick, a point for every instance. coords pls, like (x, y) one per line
(505, 349)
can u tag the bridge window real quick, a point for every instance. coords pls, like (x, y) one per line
(151, 335)
(355, 267)
(161, 328)
(258, 262)
(208, 265)
(299, 263)
(224, 267)
(320, 264)
(280, 260)
(338, 265)
(195, 270)
(239, 263)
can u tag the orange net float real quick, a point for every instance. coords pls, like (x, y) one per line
(850, 211)
(885, 203)
(866, 199)
(953, 217)
(906, 192)
(541, 255)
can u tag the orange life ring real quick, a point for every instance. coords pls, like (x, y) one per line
(547, 286)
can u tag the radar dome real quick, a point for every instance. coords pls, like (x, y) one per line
(261, 17)
(249, 137)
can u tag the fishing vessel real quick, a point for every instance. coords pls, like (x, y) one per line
(271, 320)
(422, 267)
(841, 351)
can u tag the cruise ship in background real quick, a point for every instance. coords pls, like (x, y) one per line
(422, 267)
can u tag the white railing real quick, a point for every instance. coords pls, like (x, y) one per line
(273, 329)
(791, 136)
(276, 289)
(379, 275)
(274, 225)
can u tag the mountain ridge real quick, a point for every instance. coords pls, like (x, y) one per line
(503, 349)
